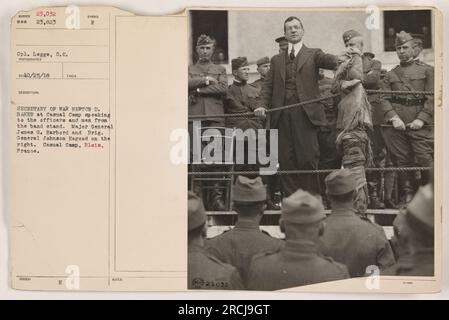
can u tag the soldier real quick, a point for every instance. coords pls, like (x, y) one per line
(263, 66)
(204, 270)
(207, 87)
(238, 246)
(354, 118)
(410, 139)
(298, 262)
(241, 98)
(416, 250)
(283, 43)
(349, 238)
(329, 156)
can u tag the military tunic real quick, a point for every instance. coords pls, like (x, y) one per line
(420, 264)
(238, 246)
(296, 264)
(241, 98)
(209, 100)
(207, 272)
(355, 242)
(410, 145)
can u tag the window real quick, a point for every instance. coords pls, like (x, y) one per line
(416, 22)
(214, 24)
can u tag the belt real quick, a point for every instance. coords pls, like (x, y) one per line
(408, 101)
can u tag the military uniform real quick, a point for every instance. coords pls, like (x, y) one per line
(355, 242)
(329, 156)
(409, 147)
(349, 238)
(204, 270)
(258, 84)
(421, 264)
(239, 245)
(208, 99)
(416, 226)
(207, 272)
(371, 80)
(297, 264)
(241, 98)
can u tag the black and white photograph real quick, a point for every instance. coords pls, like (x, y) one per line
(311, 146)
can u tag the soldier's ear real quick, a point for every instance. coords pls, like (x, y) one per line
(282, 225)
(321, 228)
(204, 231)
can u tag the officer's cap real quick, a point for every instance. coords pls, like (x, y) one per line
(249, 190)
(340, 182)
(239, 62)
(348, 35)
(302, 208)
(204, 40)
(262, 61)
(196, 212)
(402, 37)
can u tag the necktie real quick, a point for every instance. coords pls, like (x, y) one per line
(292, 53)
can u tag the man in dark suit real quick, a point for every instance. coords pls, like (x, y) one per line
(293, 77)
(238, 246)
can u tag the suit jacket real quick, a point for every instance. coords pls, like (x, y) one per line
(355, 242)
(309, 60)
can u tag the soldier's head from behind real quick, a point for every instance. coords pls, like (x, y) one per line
(240, 69)
(418, 45)
(197, 227)
(283, 44)
(263, 66)
(353, 39)
(419, 220)
(405, 46)
(302, 216)
(249, 198)
(340, 187)
(205, 47)
(293, 29)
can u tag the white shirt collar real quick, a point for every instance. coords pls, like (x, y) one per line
(297, 46)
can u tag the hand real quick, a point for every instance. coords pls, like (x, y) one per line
(398, 124)
(342, 58)
(260, 112)
(349, 84)
(416, 124)
(210, 80)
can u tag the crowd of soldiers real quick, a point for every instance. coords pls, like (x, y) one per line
(354, 130)
(316, 248)
(346, 133)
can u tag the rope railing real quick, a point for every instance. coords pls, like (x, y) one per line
(295, 105)
(316, 171)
